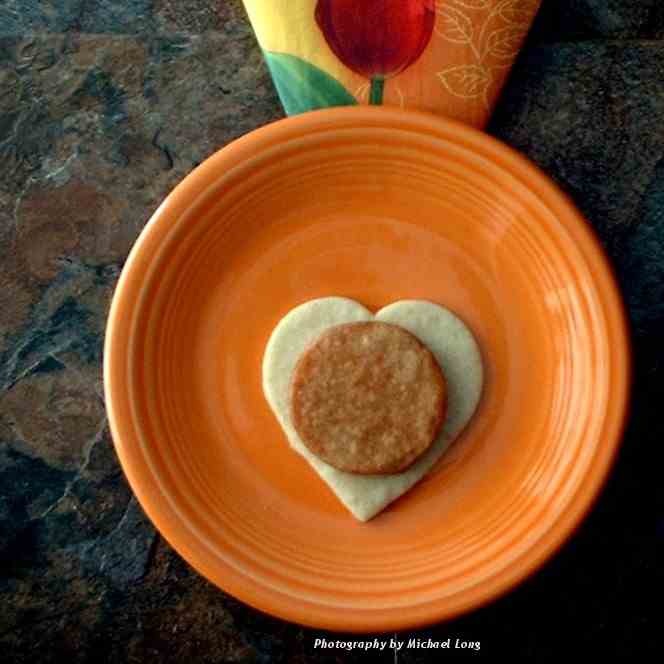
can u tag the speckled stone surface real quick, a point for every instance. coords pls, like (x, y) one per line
(104, 106)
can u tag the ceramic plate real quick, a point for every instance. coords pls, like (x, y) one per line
(376, 205)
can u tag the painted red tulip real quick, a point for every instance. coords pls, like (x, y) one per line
(377, 38)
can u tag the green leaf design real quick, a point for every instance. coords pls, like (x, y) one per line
(304, 87)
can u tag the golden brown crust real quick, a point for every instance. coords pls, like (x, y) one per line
(368, 398)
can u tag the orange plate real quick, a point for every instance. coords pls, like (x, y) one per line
(376, 205)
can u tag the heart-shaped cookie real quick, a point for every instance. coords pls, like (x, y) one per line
(444, 334)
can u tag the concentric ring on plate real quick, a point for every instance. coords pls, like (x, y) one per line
(376, 205)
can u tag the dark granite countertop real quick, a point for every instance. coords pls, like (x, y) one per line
(104, 106)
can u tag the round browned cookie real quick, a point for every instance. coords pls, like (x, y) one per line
(368, 398)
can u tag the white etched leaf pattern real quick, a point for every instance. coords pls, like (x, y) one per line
(493, 32)
(504, 44)
(468, 4)
(466, 81)
(454, 25)
(517, 12)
